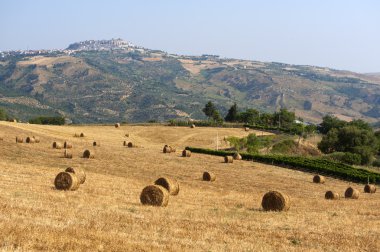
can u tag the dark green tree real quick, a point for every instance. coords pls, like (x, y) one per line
(330, 122)
(209, 109)
(284, 118)
(250, 116)
(232, 115)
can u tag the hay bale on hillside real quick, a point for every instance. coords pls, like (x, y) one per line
(117, 125)
(228, 159)
(275, 201)
(208, 176)
(80, 173)
(19, 140)
(67, 154)
(36, 139)
(130, 145)
(67, 145)
(237, 156)
(66, 181)
(186, 153)
(192, 126)
(330, 195)
(88, 154)
(319, 179)
(95, 144)
(81, 135)
(351, 193)
(169, 184)
(154, 195)
(369, 188)
(30, 140)
(57, 145)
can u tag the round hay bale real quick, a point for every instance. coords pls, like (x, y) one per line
(228, 159)
(80, 173)
(127, 135)
(67, 154)
(95, 144)
(209, 176)
(154, 195)
(246, 129)
(369, 188)
(117, 125)
(36, 139)
(125, 143)
(186, 153)
(275, 201)
(66, 181)
(192, 126)
(57, 145)
(319, 179)
(88, 154)
(169, 184)
(330, 195)
(81, 135)
(19, 140)
(130, 145)
(167, 149)
(30, 140)
(67, 145)
(351, 193)
(237, 156)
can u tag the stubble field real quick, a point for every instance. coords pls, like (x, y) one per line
(105, 213)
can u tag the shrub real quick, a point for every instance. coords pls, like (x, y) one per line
(54, 120)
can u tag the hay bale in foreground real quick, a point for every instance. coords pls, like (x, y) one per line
(67, 154)
(169, 184)
(125, 143)
(117, 125)
(168, 149)
(369, 188)
(36, 139)
(330, 195)
(186, 153)
(130, 145)
(154, 195)
(57, 145)
(88, 154)
(66, 181)
(228, 159)
(351, 193)
(30, 140)
(319, 179)
(237, 156)
(275, 201)
(19, 140)
(67, 145)
(208, 176)
(192, 126)
(80, 173)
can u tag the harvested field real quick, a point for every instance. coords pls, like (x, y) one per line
(105, 213)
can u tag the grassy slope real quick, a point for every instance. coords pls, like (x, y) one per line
(105, 213)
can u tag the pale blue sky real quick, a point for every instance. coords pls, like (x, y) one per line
(333, 33)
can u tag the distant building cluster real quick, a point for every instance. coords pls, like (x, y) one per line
(88, 45)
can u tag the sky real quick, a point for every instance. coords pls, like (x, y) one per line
(341, 34)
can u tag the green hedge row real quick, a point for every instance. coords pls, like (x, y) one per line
(320, 166)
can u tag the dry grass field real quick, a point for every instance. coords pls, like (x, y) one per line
(105, 213)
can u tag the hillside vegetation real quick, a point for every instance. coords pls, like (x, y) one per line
(108, 86)
(105, 213)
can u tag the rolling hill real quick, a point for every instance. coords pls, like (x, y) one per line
(93, 82)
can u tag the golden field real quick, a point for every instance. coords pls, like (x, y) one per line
(105, 213)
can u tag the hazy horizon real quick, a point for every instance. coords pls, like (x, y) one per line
(340, 34)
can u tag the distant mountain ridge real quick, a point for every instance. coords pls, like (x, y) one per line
(98, 81)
